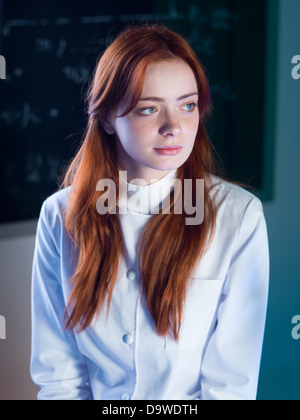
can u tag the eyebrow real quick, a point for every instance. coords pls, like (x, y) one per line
(156, 99)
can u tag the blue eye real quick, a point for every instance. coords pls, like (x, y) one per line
(189, 107)
(148, 111)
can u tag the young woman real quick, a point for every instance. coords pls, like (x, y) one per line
(142, 298)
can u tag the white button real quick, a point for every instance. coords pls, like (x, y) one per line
(125, 397)
(127, 338)
(131, 274)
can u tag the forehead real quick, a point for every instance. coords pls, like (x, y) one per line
(168, 79)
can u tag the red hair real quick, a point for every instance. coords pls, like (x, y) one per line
(170, 250)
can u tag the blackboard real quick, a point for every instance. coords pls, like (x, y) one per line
(51, 50)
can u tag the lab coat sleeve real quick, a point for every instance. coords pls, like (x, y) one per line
(56, 364)
(231, 362)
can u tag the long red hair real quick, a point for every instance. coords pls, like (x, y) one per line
(170, 249)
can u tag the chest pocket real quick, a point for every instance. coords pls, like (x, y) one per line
(199, 315)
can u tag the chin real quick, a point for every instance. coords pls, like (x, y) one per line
(171, 166)
(167, 168)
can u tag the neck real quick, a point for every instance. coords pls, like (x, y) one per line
(143, 178)
(143, 197)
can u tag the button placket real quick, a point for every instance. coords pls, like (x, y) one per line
(131, 290)
(127, 338)
(131, 275)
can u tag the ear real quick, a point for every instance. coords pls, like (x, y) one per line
(107, 126)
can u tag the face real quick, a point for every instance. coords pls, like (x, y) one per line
(158, 135)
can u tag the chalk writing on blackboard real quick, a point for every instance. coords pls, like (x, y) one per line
(36, 163)
(22, 116)
(62, 47)
(78, 74)
(219, 18)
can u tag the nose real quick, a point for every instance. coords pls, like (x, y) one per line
(170, 127)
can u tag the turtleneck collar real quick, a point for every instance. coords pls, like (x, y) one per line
(144, 199)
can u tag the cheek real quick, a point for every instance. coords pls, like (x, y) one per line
(140, 137)
(196, 123)
(133, 138)
(191, 129)
(131, 132)
(124, 133)
(141, 128)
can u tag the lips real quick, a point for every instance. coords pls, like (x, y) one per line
(168, 150)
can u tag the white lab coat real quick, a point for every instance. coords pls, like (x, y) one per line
(121, 357)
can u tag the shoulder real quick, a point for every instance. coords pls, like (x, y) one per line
(53, 207)
(239, 213)
(232, 200)
(240, 224)
(58, 199)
